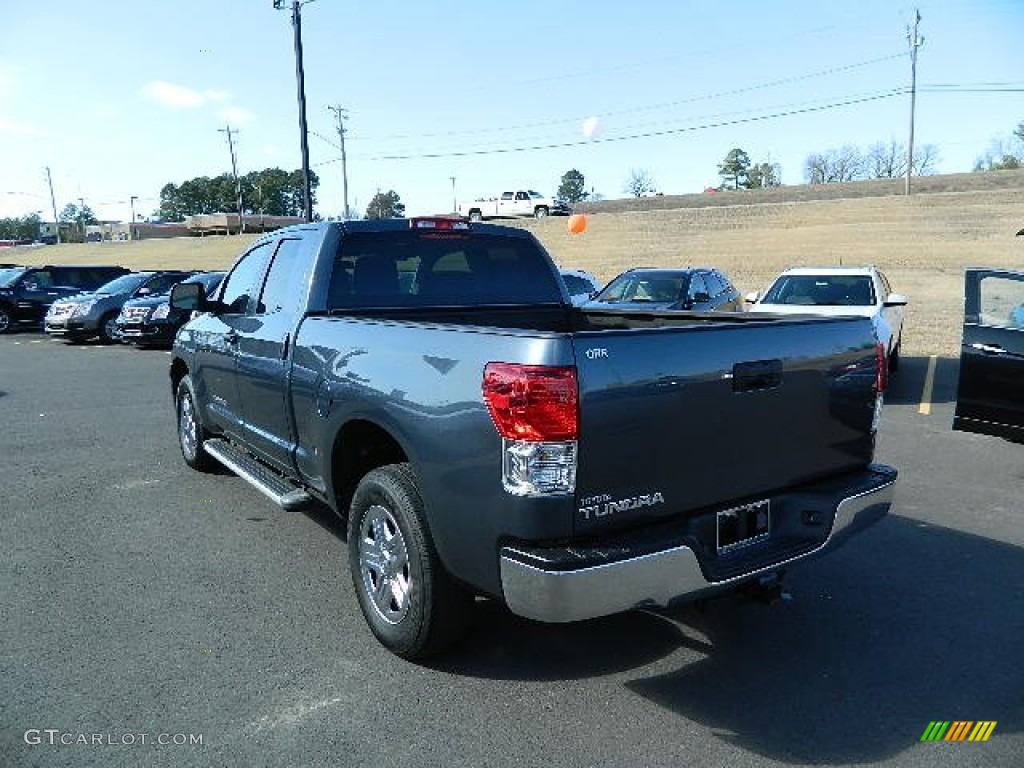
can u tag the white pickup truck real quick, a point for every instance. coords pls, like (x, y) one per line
(523, 202)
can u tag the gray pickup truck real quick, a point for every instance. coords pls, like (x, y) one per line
(430, 381)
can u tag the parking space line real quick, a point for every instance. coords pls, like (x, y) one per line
(925, 408)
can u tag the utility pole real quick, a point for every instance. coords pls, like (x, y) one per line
(300, 79)
(234, 170)
(915, 40)
(131, 202)
(455, 200)
(341, 115)
(53, 203)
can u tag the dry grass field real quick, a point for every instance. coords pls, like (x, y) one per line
(922, 242)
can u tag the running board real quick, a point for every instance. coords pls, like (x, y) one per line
(276, 488)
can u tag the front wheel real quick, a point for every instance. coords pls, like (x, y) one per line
(541, 212)
(414, 608)
(108, 328)
(190, 430)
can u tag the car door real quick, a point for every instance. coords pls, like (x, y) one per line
(35, 292)
(216, 341)
(507, 204)
(698, 295)
(990, 400)
(262, 361)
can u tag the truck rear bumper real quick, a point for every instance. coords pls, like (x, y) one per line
(547, 588)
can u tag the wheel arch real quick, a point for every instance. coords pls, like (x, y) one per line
(360, 446)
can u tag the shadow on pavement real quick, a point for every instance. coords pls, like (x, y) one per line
(906, 385)
(913, 623)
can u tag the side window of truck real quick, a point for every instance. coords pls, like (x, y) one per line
(243, 280)
(283, 279)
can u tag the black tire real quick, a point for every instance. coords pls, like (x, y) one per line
(413, 607)
(107, 330)
(541, 212)
(191, 433)
(6, 321)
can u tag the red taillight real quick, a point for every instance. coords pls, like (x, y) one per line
(881, 369)
(532, 402)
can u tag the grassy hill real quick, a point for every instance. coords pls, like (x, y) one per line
(923, 242)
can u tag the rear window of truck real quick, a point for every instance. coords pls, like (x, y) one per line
(419, 269)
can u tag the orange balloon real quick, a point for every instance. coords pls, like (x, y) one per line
(577, 224)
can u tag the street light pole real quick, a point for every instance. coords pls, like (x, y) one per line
(455, 200)
(301, 86)
(131, 231)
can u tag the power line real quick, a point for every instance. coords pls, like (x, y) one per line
(643, 135)
(648, 107)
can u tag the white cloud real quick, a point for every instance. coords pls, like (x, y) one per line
(235, 115)
(180, 97)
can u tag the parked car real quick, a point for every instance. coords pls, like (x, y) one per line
(989, 396)
(862, 291)
(95, 314)
(27, 292)
(697, 289)
(481, 437)
(151, 321)
(581, 286)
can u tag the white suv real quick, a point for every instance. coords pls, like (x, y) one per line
(863, 291)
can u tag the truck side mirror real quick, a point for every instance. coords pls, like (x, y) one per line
(752, 297)
(190, 297)
(896, 300)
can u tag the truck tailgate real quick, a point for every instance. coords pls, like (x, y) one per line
(675, 419)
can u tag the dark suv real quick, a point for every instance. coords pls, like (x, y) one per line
(27, 292)
(86, 315)
(152, 321)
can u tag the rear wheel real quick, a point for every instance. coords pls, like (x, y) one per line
(413, 607)
(5, 320)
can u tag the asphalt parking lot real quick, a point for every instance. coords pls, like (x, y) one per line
(141, 599)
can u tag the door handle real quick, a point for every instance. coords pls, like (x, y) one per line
(988, 349)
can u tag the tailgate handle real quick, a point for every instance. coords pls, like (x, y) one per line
(756, 375)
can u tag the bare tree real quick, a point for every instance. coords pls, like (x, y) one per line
(889, 161)
(834, 165)
(925, 159)
(639, 182)
(815, 168)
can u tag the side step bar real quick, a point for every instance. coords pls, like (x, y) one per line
(276, 488)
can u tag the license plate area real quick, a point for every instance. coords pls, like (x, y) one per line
(742, 526)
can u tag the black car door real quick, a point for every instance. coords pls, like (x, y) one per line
(216, 337)
(262, 361)
(990, 399)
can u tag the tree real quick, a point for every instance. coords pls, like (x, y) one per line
(763, 175)
(734, 169)
(80, 216)
(889, 161)
(20, 227)
(834, 165)
(271, 191)
(572, 187)
(639, 182)
(385, 205)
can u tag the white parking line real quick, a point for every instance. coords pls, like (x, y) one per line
(925, 408)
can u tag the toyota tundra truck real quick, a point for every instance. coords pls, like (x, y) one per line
(430, 381)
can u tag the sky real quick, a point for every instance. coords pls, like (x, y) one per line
(119, 98)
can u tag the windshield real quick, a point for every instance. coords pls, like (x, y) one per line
(9, 277)
(822, 291)
(125, 284)
(645, 288)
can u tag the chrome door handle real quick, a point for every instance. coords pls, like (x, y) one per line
(988, 349)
